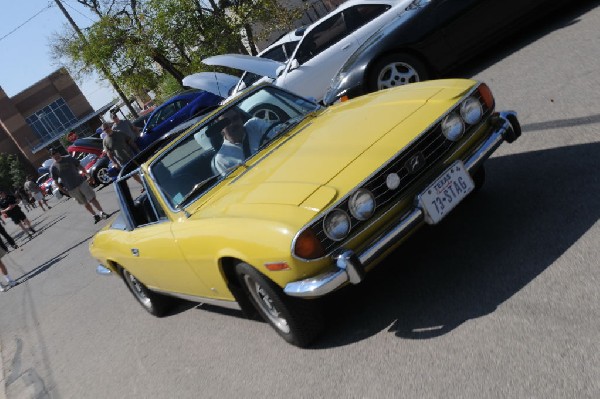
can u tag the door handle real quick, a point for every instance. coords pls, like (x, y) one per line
(346, 46)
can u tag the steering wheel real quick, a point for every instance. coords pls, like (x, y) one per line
(265, 137)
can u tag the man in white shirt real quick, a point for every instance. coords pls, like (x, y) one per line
(240, 140)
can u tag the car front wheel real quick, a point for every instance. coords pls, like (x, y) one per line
(295, 320)
(154, 303)
(102, 176)
(396, 70)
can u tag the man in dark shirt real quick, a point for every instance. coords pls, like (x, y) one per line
(10, 208)
(119, 147)
(67, 170)
(124, 126)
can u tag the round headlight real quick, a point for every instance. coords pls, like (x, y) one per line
(362, 204)
(471, 110)
(336, 225)
(453, 127)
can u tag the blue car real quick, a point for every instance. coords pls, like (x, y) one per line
(176, 110)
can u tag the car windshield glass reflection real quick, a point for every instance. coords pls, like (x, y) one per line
(213, 150)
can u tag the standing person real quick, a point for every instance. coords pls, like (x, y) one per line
(23, 200)
(67, 170)
(9, 281)
(124, 126)
(8, 238)
(9, 207)
(36, 192)
(119, 147)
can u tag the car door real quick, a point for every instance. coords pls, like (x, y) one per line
(153, 254)
(326, 46)
(468, 25)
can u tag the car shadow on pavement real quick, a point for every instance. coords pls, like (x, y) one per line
(533, 208)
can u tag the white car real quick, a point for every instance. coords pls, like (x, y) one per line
(323, 48)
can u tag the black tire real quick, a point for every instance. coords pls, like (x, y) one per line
(269, 112)
(155, 304)
(295, 320)
(396, 70)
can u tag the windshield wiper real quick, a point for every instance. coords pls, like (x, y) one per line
(196, 190)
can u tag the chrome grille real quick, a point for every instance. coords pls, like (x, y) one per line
(432, 145)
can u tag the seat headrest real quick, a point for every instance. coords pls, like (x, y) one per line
(214, 133)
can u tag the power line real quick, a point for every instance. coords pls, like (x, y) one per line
(77, 11)
(24, 23)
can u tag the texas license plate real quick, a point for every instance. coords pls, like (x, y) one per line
(451, 187)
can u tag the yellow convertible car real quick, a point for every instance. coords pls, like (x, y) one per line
(262, 216)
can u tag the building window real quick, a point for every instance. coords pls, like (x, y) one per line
(52, 120)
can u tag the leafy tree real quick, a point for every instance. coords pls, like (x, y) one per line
(12, 172)
(148, 42)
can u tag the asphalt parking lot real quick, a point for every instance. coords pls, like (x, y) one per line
(501, 300)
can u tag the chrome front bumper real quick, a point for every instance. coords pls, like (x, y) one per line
(350, 267)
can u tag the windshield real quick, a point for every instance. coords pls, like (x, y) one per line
(160, 115)
(209, 152)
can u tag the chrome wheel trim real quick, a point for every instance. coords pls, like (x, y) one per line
(103, 176)
(396, 74)
(264, 301)
(267, 114)
(138, 290)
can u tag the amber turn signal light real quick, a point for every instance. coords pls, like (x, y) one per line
(277, 266)
(308, 246)
(486, 95)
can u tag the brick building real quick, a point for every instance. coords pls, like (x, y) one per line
(36, 118)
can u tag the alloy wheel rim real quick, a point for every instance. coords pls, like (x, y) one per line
(396, 74)
(138, 291)
(102, 176)
(264, 301)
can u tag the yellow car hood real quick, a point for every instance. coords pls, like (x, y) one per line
(300, 169)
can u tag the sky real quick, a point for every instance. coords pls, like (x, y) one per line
(25, 51)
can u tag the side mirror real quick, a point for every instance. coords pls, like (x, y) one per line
(294, 64)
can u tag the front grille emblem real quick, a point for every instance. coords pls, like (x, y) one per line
(415, 163)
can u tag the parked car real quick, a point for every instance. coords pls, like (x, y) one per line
(429, 39)
(174, 111)
(141, 120)
(45, 183)
(327, 195)
(88, 145)
(323, 48)
(100, 169)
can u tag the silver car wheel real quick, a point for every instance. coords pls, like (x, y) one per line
(263, 300)
(103, 176)
(396, 74)
(138, 290)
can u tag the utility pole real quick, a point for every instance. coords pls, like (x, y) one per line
(105, 71)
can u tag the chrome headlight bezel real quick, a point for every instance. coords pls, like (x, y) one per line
(471, 110)
(453, 127)
(361, 204)
(337, 225)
